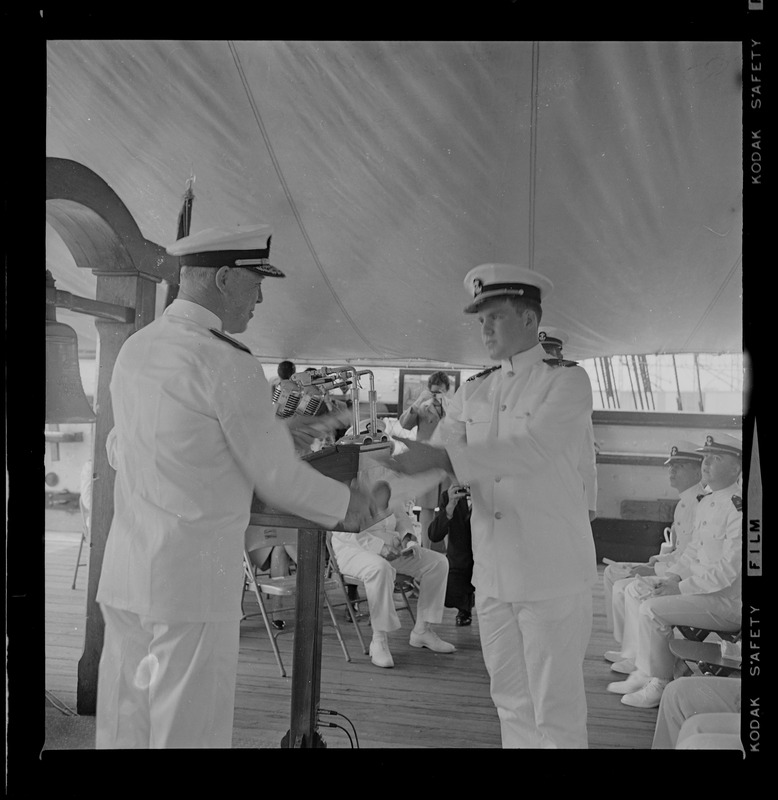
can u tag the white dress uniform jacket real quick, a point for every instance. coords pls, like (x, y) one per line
(523, 426)
(195, 436)
(681, 529)
(712, 561)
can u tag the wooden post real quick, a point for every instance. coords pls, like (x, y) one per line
(306, 664)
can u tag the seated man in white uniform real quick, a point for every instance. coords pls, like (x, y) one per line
(699, 712)
(703, 589)
(683, 469)
(374, 556)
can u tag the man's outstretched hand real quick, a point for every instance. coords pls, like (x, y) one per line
(362, 507)
(420, 457)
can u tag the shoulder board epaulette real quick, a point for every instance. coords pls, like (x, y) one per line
(737, 502)
(560, 362)
(233, 342)
(484, 373)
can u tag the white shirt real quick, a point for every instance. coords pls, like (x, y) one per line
(195, 436)
(712, 561)
(515, 436)
(384, 531)
(682, 527)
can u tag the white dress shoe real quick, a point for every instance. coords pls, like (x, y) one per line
(625, 667)
(613, 655)
(647, 697)
(379, 653)
(637, 680)
(431, 639)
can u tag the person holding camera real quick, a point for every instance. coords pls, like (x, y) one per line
(453, 521)
(425, 413)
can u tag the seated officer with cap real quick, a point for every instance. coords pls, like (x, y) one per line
(553, 340)
(195, 436)
(683, 470)
(702, 589)
(514, 434)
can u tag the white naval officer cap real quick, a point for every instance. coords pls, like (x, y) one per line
(722, 443)
(552, 336)
(501, 280)
(684, 451)
(237, 246)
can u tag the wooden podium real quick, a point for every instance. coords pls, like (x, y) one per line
(342, 462)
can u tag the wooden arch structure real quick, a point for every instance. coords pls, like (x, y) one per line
(102, 235)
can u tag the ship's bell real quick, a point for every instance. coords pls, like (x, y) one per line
(65, 398)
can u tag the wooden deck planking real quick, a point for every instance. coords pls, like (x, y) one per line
(427, 700)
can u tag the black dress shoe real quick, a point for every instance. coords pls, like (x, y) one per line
(278, 624)
(463, 618)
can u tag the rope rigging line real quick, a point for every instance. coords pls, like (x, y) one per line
(712, 303)
(288, 193)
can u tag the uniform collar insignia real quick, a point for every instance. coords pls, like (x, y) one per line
(560, 362)
(484, 373)
(233, 342)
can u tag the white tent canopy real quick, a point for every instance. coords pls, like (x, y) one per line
(387, 170)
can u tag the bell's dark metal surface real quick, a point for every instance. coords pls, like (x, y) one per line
(65, 398)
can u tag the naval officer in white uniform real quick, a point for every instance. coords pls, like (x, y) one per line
(195, 435)
(683, 470)
(703, 589)
(514, 433)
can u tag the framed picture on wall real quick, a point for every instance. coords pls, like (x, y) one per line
(414, 381)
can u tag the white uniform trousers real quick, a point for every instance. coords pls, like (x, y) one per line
(614, 578)
(378, 575)
(534, 654)
(656, 617)
(163, 685)
(685, 698)
(711, 732)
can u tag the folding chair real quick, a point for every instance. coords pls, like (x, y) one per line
(84, 539)
(400, 583)
(256, 538)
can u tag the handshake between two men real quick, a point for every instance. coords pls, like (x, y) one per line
(366, 507)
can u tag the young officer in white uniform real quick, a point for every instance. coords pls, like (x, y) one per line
(553, 341)
(514, 433)
(195, 435)
(703, 589)
(683, 469)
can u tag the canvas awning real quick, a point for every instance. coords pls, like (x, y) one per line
(388, 169)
